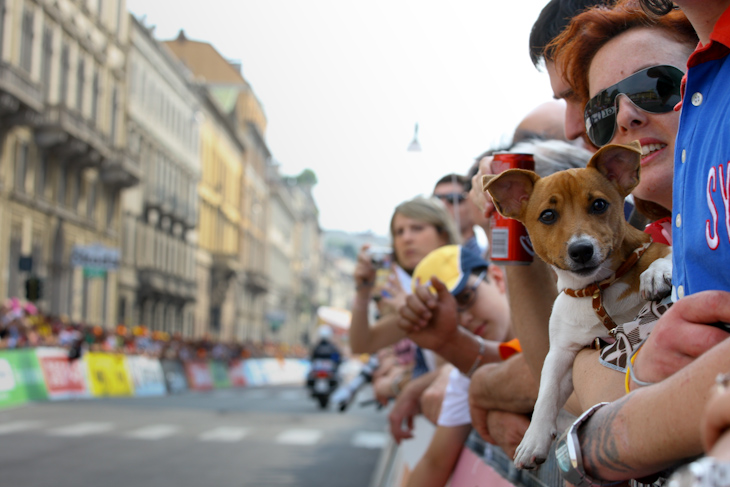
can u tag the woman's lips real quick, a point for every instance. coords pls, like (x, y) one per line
(651, 148)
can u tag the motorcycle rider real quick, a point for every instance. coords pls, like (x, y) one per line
(325, 348)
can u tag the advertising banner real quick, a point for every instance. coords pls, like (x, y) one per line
(108, 374)
(253, 373)
(236, 373)
(174, 376)
(21, 379)
(64, 378)
(219, 371)
(147, 376)
(199, 376)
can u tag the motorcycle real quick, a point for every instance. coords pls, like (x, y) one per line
(322, 380)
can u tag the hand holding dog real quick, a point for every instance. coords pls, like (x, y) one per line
(679, 337)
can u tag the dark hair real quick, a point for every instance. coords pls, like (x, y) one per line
(657, 7)
(588, 32)
(453, 178)
(553, 19)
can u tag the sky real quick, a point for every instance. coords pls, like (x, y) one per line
(343, 83)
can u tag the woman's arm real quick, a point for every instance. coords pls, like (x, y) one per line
(439, 460)
(365, 338)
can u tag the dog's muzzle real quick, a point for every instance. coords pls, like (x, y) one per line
(583, 257)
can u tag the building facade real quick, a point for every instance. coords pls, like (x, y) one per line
(64, 152)
(219, 228)
(157, 282)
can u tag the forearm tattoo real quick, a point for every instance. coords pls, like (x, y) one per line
(600, 443)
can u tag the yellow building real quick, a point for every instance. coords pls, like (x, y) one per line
(64, 153)
(219, 228)
(235, 98)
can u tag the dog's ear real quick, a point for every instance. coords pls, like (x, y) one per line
(620, 164)
(510, 190)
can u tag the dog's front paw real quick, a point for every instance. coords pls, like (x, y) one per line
(534, 447)
(656, 280)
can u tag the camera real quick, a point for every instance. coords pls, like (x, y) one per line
(380, 256)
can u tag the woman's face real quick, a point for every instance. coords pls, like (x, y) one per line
(619, 58)
(413, 240)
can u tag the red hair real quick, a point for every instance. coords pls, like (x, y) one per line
(589, 31)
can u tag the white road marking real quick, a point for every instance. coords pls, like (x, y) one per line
(154, 432)
(82, 429)
(299, 437)
(226, 434)
(16, 426)
(369, 439)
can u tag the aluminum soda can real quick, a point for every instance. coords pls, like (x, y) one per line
(510, 242)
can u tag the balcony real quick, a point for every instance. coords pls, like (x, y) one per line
(223, 270)
(157, 283)
(69, 135)
(121, 170)
(21, 100)
(256, 282)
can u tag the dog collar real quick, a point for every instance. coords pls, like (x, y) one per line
(595, 290)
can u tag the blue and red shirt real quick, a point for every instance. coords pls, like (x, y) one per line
(701, 200)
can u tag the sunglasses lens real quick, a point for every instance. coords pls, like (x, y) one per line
(655, 90)
(600, 117)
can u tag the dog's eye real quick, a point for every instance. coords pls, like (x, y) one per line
(599, 206)
(548, 217)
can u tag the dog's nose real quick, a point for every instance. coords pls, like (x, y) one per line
(580, 252)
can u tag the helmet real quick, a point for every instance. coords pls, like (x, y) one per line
(325, 331)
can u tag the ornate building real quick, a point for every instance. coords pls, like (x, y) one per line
(158, 276)
(235, 98)
(64, 152)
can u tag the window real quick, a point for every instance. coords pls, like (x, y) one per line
(21, 165)
(95, 98)
(115, 107)
(46, 61)
(41, 173)
(65, 68)
(91, 201)
(78, 188)
(26, 40)
(111, 201)
(2, 24)
(62, 182)
(80, 79)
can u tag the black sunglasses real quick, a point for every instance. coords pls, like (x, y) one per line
(655, 90)
(466, 298)
(451, 197)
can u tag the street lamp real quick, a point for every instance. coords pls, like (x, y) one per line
(414, 145)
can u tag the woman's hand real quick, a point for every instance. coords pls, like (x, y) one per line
(364, 271)
(394, 297)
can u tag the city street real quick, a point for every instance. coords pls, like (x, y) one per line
(272, 436)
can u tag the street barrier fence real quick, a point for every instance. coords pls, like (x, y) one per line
(46, 373)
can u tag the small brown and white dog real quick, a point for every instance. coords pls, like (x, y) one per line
(606, 268)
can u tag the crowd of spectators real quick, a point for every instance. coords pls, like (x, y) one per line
(23, 325)
(620, 68)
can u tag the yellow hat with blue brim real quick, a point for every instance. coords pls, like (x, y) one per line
(450, 264)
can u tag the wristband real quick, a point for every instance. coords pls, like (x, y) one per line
(480, 357)
(630, 371)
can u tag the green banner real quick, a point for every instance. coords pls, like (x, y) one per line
(21, 379)
(219, 370)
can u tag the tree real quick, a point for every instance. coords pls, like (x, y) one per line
(307, 177)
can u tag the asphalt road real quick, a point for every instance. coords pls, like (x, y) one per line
(274, 436)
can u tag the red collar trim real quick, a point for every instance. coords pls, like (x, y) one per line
(718, 46)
